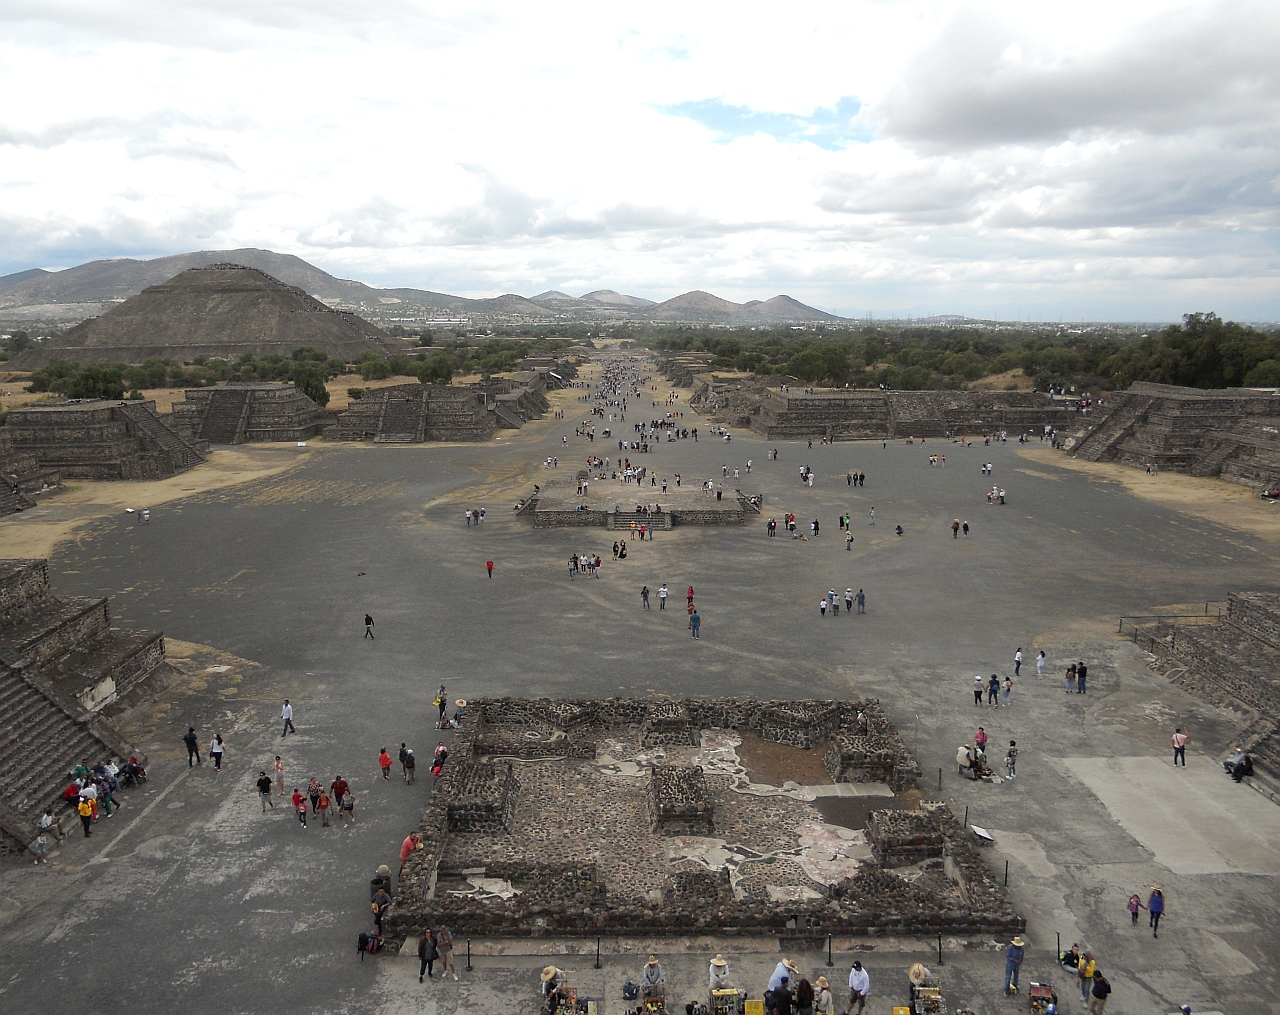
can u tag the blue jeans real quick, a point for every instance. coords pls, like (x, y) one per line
(1010, 974)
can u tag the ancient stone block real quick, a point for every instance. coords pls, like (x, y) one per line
(677, 802)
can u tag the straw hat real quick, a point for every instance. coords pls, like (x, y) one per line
(917, 973)
(790, 964)
(1018, 942)
(461, 702)
(719, 961)
(549, 973)
(822, 982)
(653, 960)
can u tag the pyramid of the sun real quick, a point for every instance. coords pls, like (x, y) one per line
(222, 312)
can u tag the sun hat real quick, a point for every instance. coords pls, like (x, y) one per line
(822, 982)
(1018, 942)
(719, 961)
(461, 702)
(653, 959)
(549, 973)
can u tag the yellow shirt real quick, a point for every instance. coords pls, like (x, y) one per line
(1086, 968)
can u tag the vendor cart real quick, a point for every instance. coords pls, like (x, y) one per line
(726, 1001)
(924, 996)
(1042, 995)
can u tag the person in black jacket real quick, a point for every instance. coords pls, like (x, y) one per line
(193, 746)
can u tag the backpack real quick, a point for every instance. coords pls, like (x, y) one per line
(371, 943)
(630, 991)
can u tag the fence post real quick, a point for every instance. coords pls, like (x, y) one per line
(597, 953)
(1006, 875)
(469, 954)
(829, 962)
(939, 949)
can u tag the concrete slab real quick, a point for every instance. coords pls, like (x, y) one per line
(1195, 820)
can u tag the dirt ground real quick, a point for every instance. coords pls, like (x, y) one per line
(773, 764)
(1010, 380)
(1215, 500)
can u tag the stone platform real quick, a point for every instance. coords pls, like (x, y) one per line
(617, 505)
(636, 816)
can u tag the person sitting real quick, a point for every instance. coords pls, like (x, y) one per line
(898, 530)
(719, 974)
(1240, 765)
(653, 981)
(964, 761)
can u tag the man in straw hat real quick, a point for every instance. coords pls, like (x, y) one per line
(456, 721)
(552, 981)
(653, 981)
(719, 973)
(1013, 963)
(784, 970)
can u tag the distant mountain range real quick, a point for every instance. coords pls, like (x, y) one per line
(67, 297)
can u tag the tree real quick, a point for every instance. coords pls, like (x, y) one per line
(308, 380)
(436, 369)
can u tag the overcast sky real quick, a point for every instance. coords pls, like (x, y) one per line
(1084, 160)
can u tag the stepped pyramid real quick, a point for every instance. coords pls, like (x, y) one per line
(222, 312)
(61, 665)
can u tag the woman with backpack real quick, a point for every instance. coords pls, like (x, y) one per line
(427, 953)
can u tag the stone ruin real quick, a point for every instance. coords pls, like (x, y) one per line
(571, 849)
(21, 477)
(100, 439)
(62, 668)
(483, 799)
(241, 413)
(414, 413)
(864, 750)
(677, 802)
(1233, 432)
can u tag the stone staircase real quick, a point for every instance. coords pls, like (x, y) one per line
(1211, 463)
(227, 416)
(1125, 414)
(402, 419)
(11, 498)
(151, 427)
(505, 417)
(623, 520)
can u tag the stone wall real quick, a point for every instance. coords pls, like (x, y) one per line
(676, 801)
(904, 838)
(483, 798)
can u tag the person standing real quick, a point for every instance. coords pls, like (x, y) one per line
(1017, 662)
(1071, 678)
(277, 769)
(689, 594)
(442, 700)
(695, 623)
(444, 945)
(1180, 739)
(264, 791)
(411, 842)
(859, 988)
(427, 954)
(380, 904)
(662, 596)
(368, 626)
(644, 597)
(215, 752)
(1040, 659)
(1008, 690)
(1013, 964)
(1155, 909)
(193, 746)
(1099, 994)
(1081, 672)
(980, 740)
(1084, 973)
(286, 713)
(993, 690)
(823, 1002)
(488, 565)
(872, 516)
(384, 763)
(1011, 760)
(85, 810)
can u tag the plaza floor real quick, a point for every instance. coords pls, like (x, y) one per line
(191, 897)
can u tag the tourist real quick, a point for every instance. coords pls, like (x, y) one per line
(404, 750)
(286, 713)
(368, 626)
(823, 1002)
(300, 805)
(1013, 964)
(1155, 909)
(1081, 672)
(468, 514)
(644, 597)
(993, 690)
(314, 789)
(1099, 994)
(338, 789)
(955, 528)
(456, 721)
(427, 954)
(1040, 660)
(1084, 973)
(384, 763)
(695, 624)
(1017, 662)
(436, 770)
(783, 998)
(1180, 739)
(872, 515)
(48, 824)
(322, 807)
(848, 600)
(444, 945)
(277, 769)
(215, 752)
(264, 791)
(1008, 690)
(411, 842)
(1071, 678)
(193, 746)
(42, 849)
(85, 810)
(1011, 760)
(347, 805)
(980, 738)
(718, 973)
(488, 564)
(689, 595)
(804, 997)
(859, 987)
(662, 596)
(442, 700)
(380, 904)
(964, 527)
(410, 765)
(862, 601)
(822, 606)
(1134, 905)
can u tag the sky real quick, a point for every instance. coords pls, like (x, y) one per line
(1078, 161)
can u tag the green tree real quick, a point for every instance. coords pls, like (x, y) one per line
(309, 381)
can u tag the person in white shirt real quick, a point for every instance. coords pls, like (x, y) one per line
(859, 988)
(662, 597)
(718, 973)
(286, 713)
(784, 969)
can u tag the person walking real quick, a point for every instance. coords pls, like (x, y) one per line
(1081, 672)
(872, 516)
(689, 594)
(215, 752)
(662, 596)
(314, 789)
(1007, 687)
(277, 769)
(1180, 739)
(404, 752)
(1017, 662)
(300, 805)
(1013, 964)
(848, 601)
(193, 746)
(410, 766)
(695, 623)
(964, 528)
(1134, 905)
(1011, 760)
(323, 805)
(859, 988)
(427, 954)
(444, 945)
(644, 597)
(348, 807)
(862, 601)
(384, 763)
(286, 713)
(488, 565)
(1099, 994)
(955, 528)
(993, 690)
(264, 791)
(1040, 660)
(1155, 909)
(442, 699)
(1084, 974)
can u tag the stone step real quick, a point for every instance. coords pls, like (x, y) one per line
(53, 627)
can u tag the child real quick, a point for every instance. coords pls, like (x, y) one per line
(42, 848)
(1011, 760)
(300, 805)
(1135, 904)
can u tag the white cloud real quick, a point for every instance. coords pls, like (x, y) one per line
(859, 155)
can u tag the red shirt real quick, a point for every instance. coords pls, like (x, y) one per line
(299, 801)
(384, 759)
(339, 788)
(407, 847)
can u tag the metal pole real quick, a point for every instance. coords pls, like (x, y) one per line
(1059, 934)
(939, 949)
(1006, 873)
(597, 953)
(966, 816)
(939, 780)
(468, 955)
(829, 962)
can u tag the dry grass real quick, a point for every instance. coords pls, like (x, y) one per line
(337, 388)
(1010, 380)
